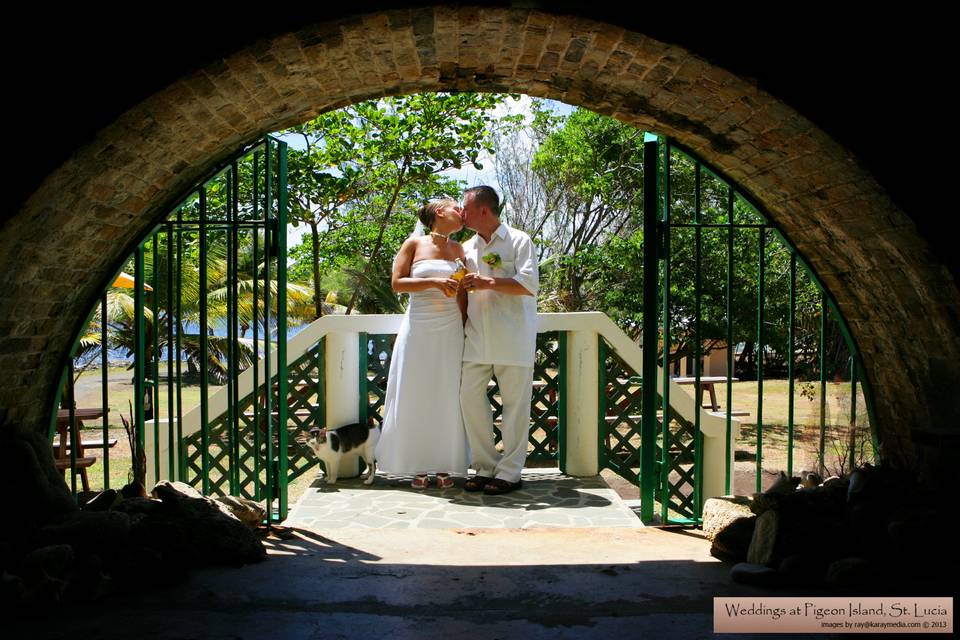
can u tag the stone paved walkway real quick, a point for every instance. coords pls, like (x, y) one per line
(547, 499)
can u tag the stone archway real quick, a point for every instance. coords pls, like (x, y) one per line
(57, 253)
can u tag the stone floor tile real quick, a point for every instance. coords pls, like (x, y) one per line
(547, 499)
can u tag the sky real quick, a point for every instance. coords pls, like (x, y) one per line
(487, 175)
(468, 173)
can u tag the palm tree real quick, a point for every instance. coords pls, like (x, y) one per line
(121, 311)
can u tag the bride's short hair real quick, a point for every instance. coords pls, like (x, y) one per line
(428, 212)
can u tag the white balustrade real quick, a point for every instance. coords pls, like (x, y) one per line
(583, 333)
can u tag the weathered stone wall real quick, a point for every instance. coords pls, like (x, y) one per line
(58, 252)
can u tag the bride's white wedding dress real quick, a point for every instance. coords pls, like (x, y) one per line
(422, 426)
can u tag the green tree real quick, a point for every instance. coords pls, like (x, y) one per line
(363, 163)
(577, 184)
(121, 312)
(351, 236)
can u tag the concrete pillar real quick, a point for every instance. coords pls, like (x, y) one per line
(714, 470)
(153, 473)
(342, 369)
(715, 463)
(582, 403)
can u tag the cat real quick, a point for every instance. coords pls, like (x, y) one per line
(333, 445)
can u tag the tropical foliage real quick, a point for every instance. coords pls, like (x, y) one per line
(363, 170)
(574, 182)
(161, 306)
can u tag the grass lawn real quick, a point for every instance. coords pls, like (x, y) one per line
(806, 422)
(776, 399)
(775, 430)
(87, 392)
(120, 383)
(745, 398)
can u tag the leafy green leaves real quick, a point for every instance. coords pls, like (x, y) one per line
(360, 164)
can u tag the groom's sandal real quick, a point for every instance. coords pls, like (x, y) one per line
(476, 483)
(498, 486)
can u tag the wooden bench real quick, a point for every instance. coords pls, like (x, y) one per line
(706, 385)
(63, 461)
(61, 448)
(719, 414)
(82, 463)
(85, 444)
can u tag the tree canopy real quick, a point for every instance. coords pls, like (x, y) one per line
(575, 182)
(363, 165)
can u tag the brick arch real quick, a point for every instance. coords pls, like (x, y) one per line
(60, 248)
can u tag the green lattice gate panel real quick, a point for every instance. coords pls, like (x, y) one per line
(547, 409)
(236, 454)
(620, 415)
(241, 452)
(306, 402)
(677, 488)
(376, 352)
(621, 411)
(219, 447)
(547, 402)
(232, 463)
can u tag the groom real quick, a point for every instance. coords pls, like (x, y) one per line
(501, 338)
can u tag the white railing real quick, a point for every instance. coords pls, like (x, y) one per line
(342, 371)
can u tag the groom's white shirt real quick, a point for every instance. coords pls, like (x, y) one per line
(502, 328)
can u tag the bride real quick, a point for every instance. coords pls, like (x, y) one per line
(422, 427)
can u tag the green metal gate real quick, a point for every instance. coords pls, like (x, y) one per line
(691, 208)
(218, 261)
(209, 302)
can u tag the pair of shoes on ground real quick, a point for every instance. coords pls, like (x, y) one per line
(422, 481)
(491, 486)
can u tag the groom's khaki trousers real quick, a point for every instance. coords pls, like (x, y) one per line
(515, 390)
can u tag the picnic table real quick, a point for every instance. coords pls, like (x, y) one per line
(707, 384)
(64, 442)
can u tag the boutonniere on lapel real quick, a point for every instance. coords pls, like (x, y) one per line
(492, 260)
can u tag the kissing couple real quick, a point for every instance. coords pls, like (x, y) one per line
(472, 316)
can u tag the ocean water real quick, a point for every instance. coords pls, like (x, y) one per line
(119, 357)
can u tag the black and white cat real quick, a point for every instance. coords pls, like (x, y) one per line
(353, 440)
